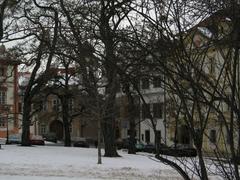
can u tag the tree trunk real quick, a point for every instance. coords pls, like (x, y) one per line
(67, 139)
(203, 170)
(131, 120)
(99, 142)
(65, 116)
(109, 122)
(109, 111)
(132, 140)
(110, 60)
(26, 122)
(157, 141)
(109, 137)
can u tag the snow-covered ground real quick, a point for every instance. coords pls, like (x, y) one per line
(69, 163)
(53, 162)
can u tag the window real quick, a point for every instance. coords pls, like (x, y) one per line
(145, 111)
(70, 128)
(35, 106)
(117, 111)
(158, 110)
(117, 133)
(2, 121)
(137, 111)
(43, 129)
(2, 71)
(129, 132)
(142, 137)
(228, 138)
(44, 106)
(213, 136)
(145, 83)
(198, 132)
(2, 97)
(158, 136)
(20, 107)
(157, 82)
(212, 66)
(70, 105)
(56, 104)
(147, 136)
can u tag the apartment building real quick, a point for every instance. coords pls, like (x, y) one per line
(211, 42)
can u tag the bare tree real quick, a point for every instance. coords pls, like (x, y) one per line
(37, 39)
(103, 37)
(186, 66)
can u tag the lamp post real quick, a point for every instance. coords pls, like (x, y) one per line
(7, 109)
(7, 142)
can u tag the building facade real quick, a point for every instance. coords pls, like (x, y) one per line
(47, 118)
(211, 42)
(149, 111)
(9, 114)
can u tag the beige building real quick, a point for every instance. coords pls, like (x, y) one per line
(208, 42)
(49, 120)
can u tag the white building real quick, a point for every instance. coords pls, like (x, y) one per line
(153, 95)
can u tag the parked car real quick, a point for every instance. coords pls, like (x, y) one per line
(179, 150)
(37, 140)
(81, 143)
(139, 146)
(50, 137)
(150, 148)
(186, 150)
(14, 139)
(124, 143)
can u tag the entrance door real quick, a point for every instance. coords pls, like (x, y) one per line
(57, 128)
(184, 137)
(147, 136)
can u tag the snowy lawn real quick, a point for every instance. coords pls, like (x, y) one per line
(70, 163)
